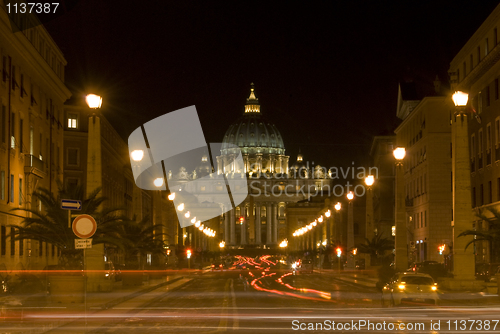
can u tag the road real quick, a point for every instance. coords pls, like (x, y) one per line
(273, 301)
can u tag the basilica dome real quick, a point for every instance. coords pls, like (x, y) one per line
(253, 133)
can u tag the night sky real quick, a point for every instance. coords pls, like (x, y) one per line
(325, 72)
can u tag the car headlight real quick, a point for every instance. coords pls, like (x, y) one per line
(401, 286)
(434, 288)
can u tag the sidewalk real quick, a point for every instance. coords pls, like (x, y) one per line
(38, 314)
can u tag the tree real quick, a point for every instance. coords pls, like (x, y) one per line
(376, 247)
(142, 238)
(490, 235)
(51, 224)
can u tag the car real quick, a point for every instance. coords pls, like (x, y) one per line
(410, 287)
(217, 266)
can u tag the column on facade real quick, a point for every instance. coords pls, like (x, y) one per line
(259, 162)
(226, 228)
(275, 223)
(271, 163)
(269, 215)
(243, 226)
(257, 224)
(232, 227)
(220, 165)
(245, 162)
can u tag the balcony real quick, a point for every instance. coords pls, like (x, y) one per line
(408, 202)
(33, 165)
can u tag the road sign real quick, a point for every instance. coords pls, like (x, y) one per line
(84, 226)
(71, 204)
(83, 243)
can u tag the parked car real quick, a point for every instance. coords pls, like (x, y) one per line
(410, 287)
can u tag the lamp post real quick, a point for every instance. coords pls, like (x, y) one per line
(401, 257)
(463, 260)
(370, 228)
(350, 230)
(336, 223)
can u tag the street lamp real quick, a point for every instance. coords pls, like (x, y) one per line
(350, 229)
(401, 257)
(463, 260)
(93, 101)
(336, 221)
(369, 181)
(94, 181)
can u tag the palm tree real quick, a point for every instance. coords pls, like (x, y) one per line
(51, 224)
(376, 247)
(142, 238)
(491, 235)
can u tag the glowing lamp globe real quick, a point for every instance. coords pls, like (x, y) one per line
(369, 180)
(460, 99)
(399, 153)
(93, 101)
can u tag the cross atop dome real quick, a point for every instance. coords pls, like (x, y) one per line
(252, 105)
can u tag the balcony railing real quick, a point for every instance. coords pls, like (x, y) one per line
(33, 165)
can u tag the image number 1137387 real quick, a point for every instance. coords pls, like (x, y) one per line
(31, 7)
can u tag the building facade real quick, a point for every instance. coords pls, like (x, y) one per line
(32, 94)
(426, 134)
(476, 70)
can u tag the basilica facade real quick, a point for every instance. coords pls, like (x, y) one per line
(253, 151)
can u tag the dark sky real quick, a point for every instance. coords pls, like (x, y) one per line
(326, 72)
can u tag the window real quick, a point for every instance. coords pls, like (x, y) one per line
(479, 103)
(11, 188)
(480, 142)
(72, 121)
(12, 241)
(3, 240)
(22, 92)
(40, 248)
(487, 93)
(2, 185)
(21, 123)
(495, 33)
(481, 195)
(473, 146)
(471, 62)
(498, 189)
(4, 125)
(421, 220)
(4, 69)
(13, 73)
(13, 131)
(478, 54)
(496, 89)
(473, 197)
(20, 191)
(21, 246)
(490, 193)
(486, 47)
(425, 217)
(31, 140)
(488, 137)
(40, 156)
